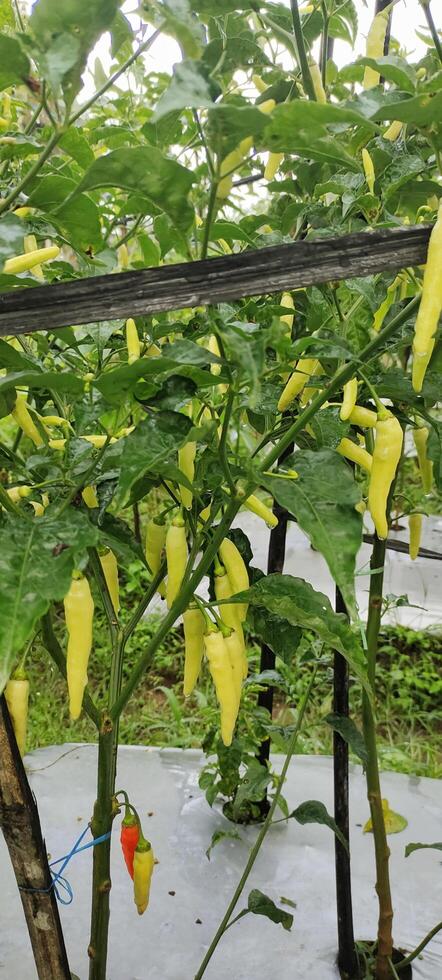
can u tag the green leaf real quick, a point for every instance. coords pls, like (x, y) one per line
(301, 127)
(261, 904)
(37, 558)
(282, 637)
(76, 145)
(328, 428)
(80, 221)
(84, 20)
(176, 17)
(219, 835)
(347, 729)
(117, 535)
(189, 88)
(422, 110)
(147, 172)
(14, 64)
(59, 58)
(313, 811)
(12, 230)
(394, 69)
(7, 18)
(420, 847)
(44, 380)
(150, 447)
(434, 451)
(323, 500)
(298, 602)
(252, 786)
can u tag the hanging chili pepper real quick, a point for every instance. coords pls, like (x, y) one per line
(238, 661)
(109, 565)
(415, 528)
(357, 454)
(256, 506)
(273, 164)
(21, 263)
(288, 318)
(430, 306)
(367, 164)
(155, 541)
(420, 436)
(129, 837)
(30, 244)
(143, 866)
(375, 46)
(236, 571)
(186, 463)
(132, 341)
(349, 399)
(79, 614)
(364, 417)
(318, 87)
(194, 626)
(304, 370)
(176, 554)
(17, 699)
(21, 415)
(386, 457)
(222, 675)
(89, 495)
(393, 131)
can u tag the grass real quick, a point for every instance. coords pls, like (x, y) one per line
(410, 695)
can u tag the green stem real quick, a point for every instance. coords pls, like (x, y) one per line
(344, 374)
(31, 173)
(101, 882)
(8, 504)
(324, 43)
(382, 851)
(223, 440)
(209, 219)
(131, 232)
(54, 649)
(425, 4)
(302, 55)
(260, 838)
(105, 596)
(409, 959)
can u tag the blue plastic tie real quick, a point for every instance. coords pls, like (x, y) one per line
(57, 877)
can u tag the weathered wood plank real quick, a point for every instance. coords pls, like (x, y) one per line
(172, 287)
(20, 824)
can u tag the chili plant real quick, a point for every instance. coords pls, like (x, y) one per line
(250, 143)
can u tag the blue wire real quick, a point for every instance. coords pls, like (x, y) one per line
(57, 878)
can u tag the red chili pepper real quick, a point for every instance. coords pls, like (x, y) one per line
(129, 836)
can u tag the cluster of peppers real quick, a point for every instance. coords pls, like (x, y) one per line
(138, 855)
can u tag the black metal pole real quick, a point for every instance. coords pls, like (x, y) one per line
(347, 956)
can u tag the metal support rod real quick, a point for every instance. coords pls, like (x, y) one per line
(20, 823)
(347, 956)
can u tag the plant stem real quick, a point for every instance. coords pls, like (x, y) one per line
(260, 838)
(209, 218)
(6, 202)
(101, 882)
(409, 959)
(382, 851)
(54, 649)
(302, 55)
(425, 4)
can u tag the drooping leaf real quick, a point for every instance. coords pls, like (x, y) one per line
(150, 447)
(189, 88)
(323, 500)
(37, 558)
(14, 63)
(261, 904)
(298, 602)
(421, 847)
(145, 171)
(313, 811)
(220, 835)
(347, 729)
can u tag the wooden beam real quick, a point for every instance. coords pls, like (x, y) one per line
(20, 823)
(250, 273)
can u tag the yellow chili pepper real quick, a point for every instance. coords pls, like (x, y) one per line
(318, 86)
(420, 436)
(235, 158)
(144, 862)
(236, 572)
(213, 348)
(349, 399)
(38, 508)
(375, 47)
(23, 212)
(109, 565)
(383, 309)
(367, 164)
(357, 454)
(256, 506)
(222, 675)
(79, 614)
(393, 131)
(273, 164)
(223, 590)
(304, 370)
(237, 657)
(132, 341)
(364, 417)
(30, 245)
(154, 545)
(415, 528)
(21, 263)
(98, 441)
(194, 626)
(17, 493)
(17, 699)
(186, 463)
(259, 84)
(287, 318)
(57, 444)
(386, 457)
(123, 256)
(21, 415)
(176, 554)
(430, 306)
(90, 498)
